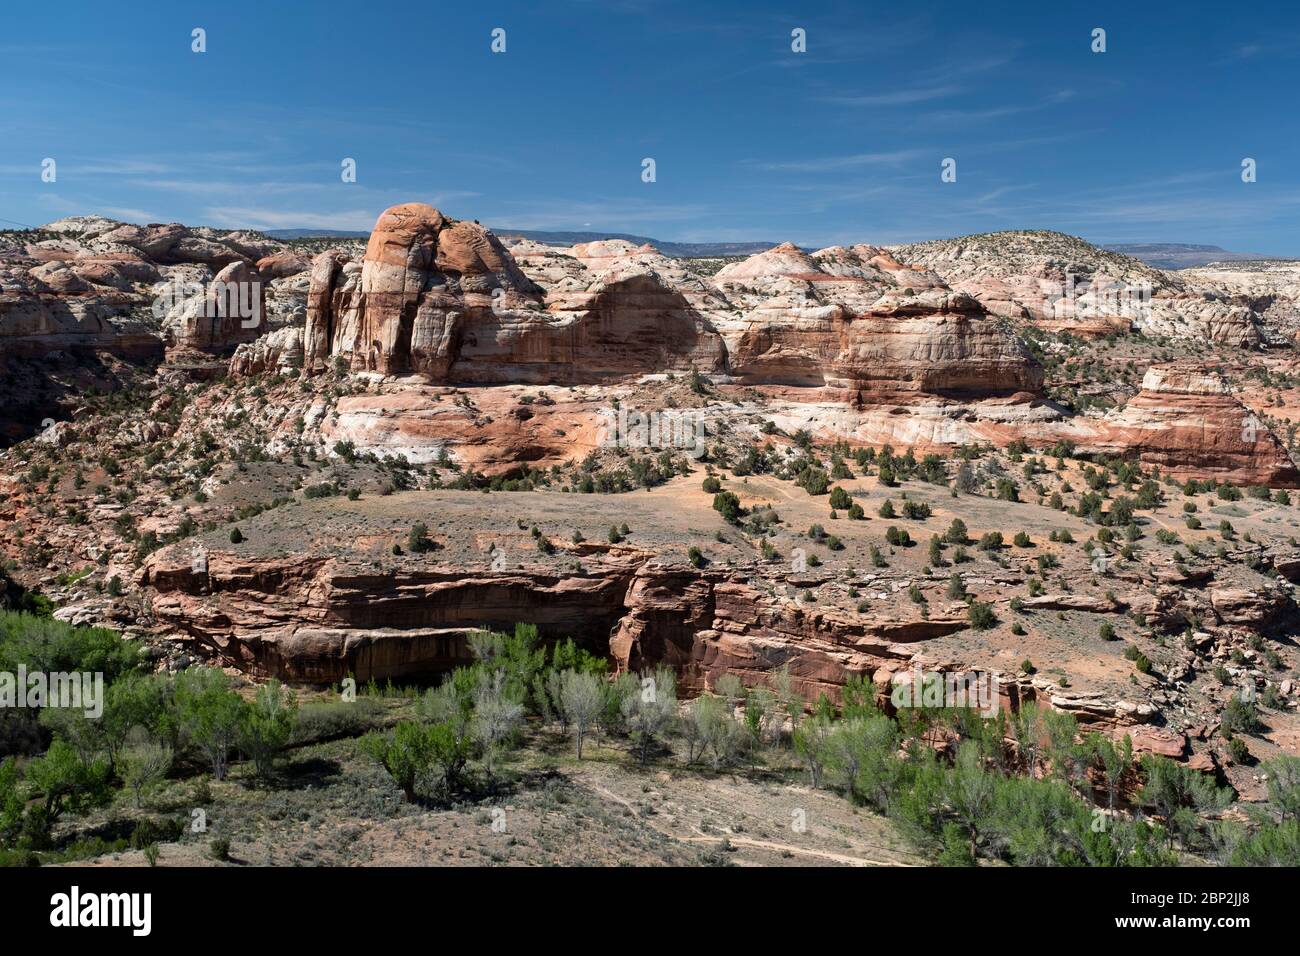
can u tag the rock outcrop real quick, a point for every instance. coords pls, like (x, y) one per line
(227, 312)
(278, 351)
(88, 302)
(937, 343)
(1187, 422)
(1063, 283)
(317, 620)
(444, 299)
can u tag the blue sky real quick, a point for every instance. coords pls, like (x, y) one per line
(841, 144)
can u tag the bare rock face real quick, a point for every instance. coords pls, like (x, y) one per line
(863, 331)
(280, 265)
(278, 351)
(82, 305)
(1066, 284)
(424, 281)
(1269, 289)
(1255, 609)
(309, 619)
(445, 299)
(93, 285)
(424, 422)
(786, 259)
(173, 243)
(1187, 421)
(626, 325)
(329, 289)
(316, 620)
(229, 312)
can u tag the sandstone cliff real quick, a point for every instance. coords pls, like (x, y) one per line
(445, 299)
(1187, 422)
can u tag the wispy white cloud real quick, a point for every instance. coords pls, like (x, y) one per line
(256, 218)
(1281, 45)
(127, 214)
(895, 97)
(852, 161)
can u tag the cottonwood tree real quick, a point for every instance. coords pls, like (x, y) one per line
(84, 735)
(691, 731)
(713, 728)
(580, 702)
(1027, 728)
(612, 720)
(790, 700)
(12, 802)
(212, 714)
(137, 701)
(878, 765)
(845, 756)
(449, 750)
(406, 754)
(1060, 729)
(496, 717)
(268, 725)
(142, 763)
(1175, 792)
(762, 720)
(1116, 761)
(448, 710)
(730, 688)
(810, 743)
(650, 710)
(1284, 786)
(971, 792)
(67, 783)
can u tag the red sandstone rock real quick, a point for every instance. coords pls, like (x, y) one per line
(1187, 422)
(1157, 740)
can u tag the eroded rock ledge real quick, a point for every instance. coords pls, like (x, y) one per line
(320, 620)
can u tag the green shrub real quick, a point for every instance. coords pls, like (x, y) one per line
(727, 504)
(1240, 717)
(898, 537)
(418, 540)
(916, 510)
(981, 616)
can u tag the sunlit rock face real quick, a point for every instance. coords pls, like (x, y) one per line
(1187, 422)
(445, 299)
